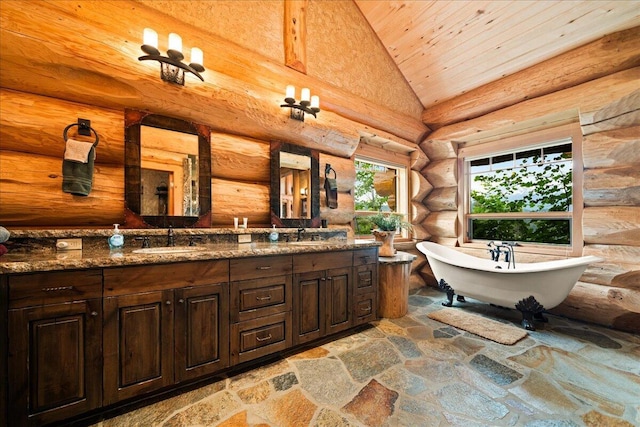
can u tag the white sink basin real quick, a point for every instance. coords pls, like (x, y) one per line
(308, 243)
(168, 250)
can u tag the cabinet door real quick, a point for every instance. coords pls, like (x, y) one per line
(309, 306)
(54, 361)
(339, 297)
(138, 344)
(201, 330)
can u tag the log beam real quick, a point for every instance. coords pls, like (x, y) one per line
(610, 54)
(588, 98)
(241, 94)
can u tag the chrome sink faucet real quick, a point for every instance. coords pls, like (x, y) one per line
(170, 238)
(300, 233)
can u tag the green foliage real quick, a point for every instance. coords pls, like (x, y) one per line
(366, 198)
(545, 188)
(388, 222)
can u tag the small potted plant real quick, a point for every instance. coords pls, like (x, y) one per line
(386, 227)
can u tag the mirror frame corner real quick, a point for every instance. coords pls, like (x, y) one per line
(133, 120)
(276, 148)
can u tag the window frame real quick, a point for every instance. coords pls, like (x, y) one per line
(521, 142)
(393, 159)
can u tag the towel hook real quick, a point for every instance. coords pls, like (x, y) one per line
(328, 169)
(84, 128)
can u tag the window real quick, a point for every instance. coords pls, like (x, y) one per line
(528, 190)
(380, 187)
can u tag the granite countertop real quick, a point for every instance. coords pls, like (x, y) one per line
(398, 258)
(98, 258)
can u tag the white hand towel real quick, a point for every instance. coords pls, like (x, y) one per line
(77, 151)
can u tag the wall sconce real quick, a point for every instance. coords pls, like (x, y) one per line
(304, 192)
(308, 104)
(171, 66)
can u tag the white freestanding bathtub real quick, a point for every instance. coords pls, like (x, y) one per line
(531, 288)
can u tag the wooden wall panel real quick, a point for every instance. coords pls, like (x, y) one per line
(237, 158)
(34, 124)
(442, 173)
(442, 199)
(32, 194)
(612, 148)
(618, 186)
(612, 225)
(231, 199)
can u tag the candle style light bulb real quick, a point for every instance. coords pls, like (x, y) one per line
(305, 95)
(175, 42)
(150, 38)
(315, 102)
(197, 57)
(290, 93)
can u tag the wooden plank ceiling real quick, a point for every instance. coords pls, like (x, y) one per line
(446, 48)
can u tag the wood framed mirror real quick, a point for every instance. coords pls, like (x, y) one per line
(167, 172)
(295, 186)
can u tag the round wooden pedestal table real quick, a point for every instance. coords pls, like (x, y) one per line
(393, 284)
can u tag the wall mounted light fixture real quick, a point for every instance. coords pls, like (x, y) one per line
(308, 104)
(171, 66)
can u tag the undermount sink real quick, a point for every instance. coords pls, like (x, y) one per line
(308, 243)
(168, 250)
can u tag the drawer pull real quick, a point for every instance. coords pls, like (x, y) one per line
(365, 258)
(267, 338)
(267, 267)
(57, 289)
(94, 313)
(267, 298)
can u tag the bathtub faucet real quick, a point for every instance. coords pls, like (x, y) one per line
(505, 248)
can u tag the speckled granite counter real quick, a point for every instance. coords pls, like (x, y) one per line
(97, 258)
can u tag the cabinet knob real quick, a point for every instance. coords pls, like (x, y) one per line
(329, 278)
(181, 301)
(94, 313)
(168, 302)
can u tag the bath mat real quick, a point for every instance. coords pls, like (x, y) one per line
(486, 328)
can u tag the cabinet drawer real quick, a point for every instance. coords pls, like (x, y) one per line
(259, 337)
(365, 309)
(365, 256)
(322, 261)
(155, 277)
(56, 287)
(251, 299)
(255, 268)
(366, 278)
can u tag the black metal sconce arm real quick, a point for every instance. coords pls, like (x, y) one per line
(192, 68)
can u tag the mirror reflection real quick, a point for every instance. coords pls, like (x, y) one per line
(295, 183)
(295, 186)
(169, 172)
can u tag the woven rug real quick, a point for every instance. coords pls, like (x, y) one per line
(486, 328)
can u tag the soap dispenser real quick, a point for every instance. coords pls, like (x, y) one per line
(273, 236)
(116, 241)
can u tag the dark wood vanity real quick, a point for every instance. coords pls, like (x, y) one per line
(85, 341)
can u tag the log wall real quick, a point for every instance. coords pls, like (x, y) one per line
(608, 109)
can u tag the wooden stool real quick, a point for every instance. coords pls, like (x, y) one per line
(393, 284)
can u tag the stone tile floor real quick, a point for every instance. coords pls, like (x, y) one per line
(415, 371)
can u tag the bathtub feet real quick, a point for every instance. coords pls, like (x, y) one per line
(460, 298)
(539, 317)
(530, 308)
(444, 286)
